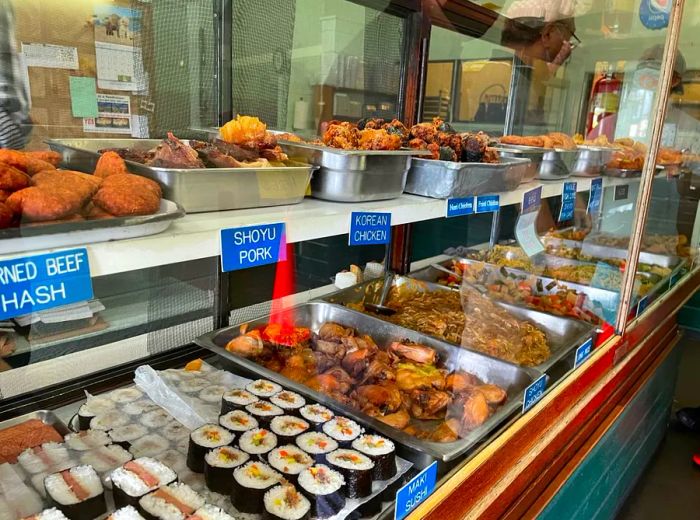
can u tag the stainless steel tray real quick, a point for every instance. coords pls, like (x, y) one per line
(553, 164)
(201, 189)
(62, 234)
(564, 335)
(591, 161)
(446, 179)
(354, 175)
(45, 416)
(621, 172)
(513, 378)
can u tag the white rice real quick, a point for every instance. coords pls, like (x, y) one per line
(96, 405)
(128, 433)
(195, 385)
(258, 441)
(373, 445)
(140, 407)
(212, 436)
(238, 421)
(350, 459)
(264, 409)
(289, 459)
(209, 512)
(38, 483)
(212, 394)
(320, 480)
(149, 446)
(125, 395)
(51, 514)
(256, 475)
(288, 400)
(226, 457)
(342, 429)
(316, 413)
(263, 388)
(109, 420)
(316, 443)
(156, 418)
(61, 493)
(133, 486)
(175, 431)
(161, 508)
(240, 397)
(276, 503)
(86, 440)
(125, 513)
(55, 453)
(106, 458)
(288, 425)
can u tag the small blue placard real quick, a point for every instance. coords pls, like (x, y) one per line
(415, 491)
(369, 228)
(596, 195)
(250, 246)
(40, 282)
(642, 305)
(655, 14)
(488, 203)
(568, 201)
(460, 206)
(673, 279)
(532, 200)
(583, 352)
(534, 392)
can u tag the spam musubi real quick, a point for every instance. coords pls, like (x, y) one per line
(236, 399)
(249, 485)
(77, 492)
(287, 428)
(286, 503)
(289, 460)
(209, 512)
(382, 452)
(356, 468)
(137, 478)
(47, 514)
(219, 464)
(173, 502)
(324, 489)
(125, 513)
(202, 440)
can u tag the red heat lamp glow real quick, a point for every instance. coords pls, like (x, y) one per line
(283, 286)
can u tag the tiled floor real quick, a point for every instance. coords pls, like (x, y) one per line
(670, 487)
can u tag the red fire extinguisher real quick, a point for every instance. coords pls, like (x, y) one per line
(603, 106)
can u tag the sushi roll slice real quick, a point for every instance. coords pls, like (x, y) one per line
(46, 514)
(173, 502)
(343, 431)
(202, 440)
(210, 512)
(156, 419)
(236, 399)
(212, 394)
(257, 442)
(238, 421)
(290, 402)
(316, 444)
(125, 435)
(125, 395)
(125, 513)
(93, 407)
(140, 407)
(382, 452)
(285, 503)
(77, 492)
(263, 412)
(287, 428)
(356, 468)
(219, 464)
(289, 460)
(174, 431)
(323, 487)
(193, 386)
(109, 420)
(317, 415)
(263, 388)
(137, 478)
(249, 484)
(106, 458)
(47, 458)
(86, 440)
(149, 446)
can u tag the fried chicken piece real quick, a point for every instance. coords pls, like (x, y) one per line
(7, 216)
(292, 138)
(110, 163)
(48, 156)
(424, 131)
(25, 162)
(341, 135)
(417, 144)
(4, 194)
(12, 179)
(520, 140)
(378, 140)
(434, 151)
(562, 140)
(127, 195)
(173, 153)
(398, 128)
(373, 123)
(39, 205)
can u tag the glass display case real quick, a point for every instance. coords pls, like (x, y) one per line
(388, 248)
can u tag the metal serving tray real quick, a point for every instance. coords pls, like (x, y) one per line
(591, 161)
(200, 189)
(564, 335)
(45, 416)
(446, 179)
(512, 378)
(354, 175)
(553, 164)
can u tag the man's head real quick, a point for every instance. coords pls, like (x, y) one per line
(653, 56)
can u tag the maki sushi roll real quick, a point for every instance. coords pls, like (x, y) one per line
(209, 512)
(47, 514)
(316, 444)
(257, 442)
(125, 513)
(236, 399)
(343, 431)
(125, 435)
(219, 463)
(106, 458)
(175, 431)
(249, 485)
(77, 492)
(287, 428)
(86, 440)
(263, 388)
(289, 461)
(382, 452)
(172, 502)
(212, 394)
(238, 421)
(290, 402)
(149, 446)
(202, 440)
(137, 478)
(92, 408)
(316, 414)
(109, 420)
(140, 407)
(47, 458)
(356, 468)
(156, 419)
(323, 487)
(285, 503)
(264, 412)
(125, 395)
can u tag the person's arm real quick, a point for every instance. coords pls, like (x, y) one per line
(14, 100)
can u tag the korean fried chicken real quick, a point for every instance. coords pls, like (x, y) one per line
(24, 161)
(126, 194)
(110, 163)
(378, 140)
(12, 179)
(343, 135)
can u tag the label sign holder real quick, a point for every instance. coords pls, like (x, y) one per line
(596, 195)
(568, 202)
(621, 192)
(459, 207)
(252, 246)
(415, 492)
(642, 305)
(525, 231)
(534, 392)
(488, 203)
(369, 228)
(582, 352)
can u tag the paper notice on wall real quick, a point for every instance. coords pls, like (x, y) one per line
(139, 127)
(50, 56)
(119, 67)
(113, 115)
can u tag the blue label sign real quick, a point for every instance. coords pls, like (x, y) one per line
(460, 206)
(488, 203)
(642, 305)
(583, 352)
(532, 200)
(534, 392)
(368, 228)
(416, 491)
(568, 201)
(655, 14)
(250, 246)
(596, 195)
(673, 279)
(41, 282)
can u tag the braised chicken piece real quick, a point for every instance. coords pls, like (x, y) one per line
(334, 332)
(173, 153)
(410, 376)
(494, 395)
(468, 411)
(213, 157)
(131, 154)
(460, 381)
(413, 352)
(248, 345)
(378, 399)
(398, 420)
(429, 404)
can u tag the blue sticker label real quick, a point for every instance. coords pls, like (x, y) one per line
(534, 392)
(488, 203)
(460, 206)
(596, 195)
(532, 200)
(568, 201)
(673, 279)
(583, 352)
(655, 14)
(642, 305)
(250, 246)
(416, 491)
(40, 282)
(368, 228)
